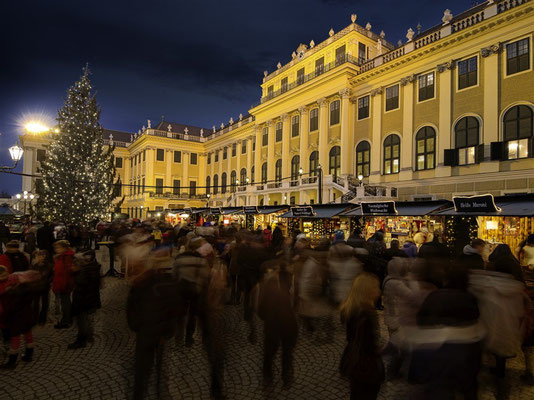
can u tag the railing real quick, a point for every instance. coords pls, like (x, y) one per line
(309, 180)
(394, 54)
(242, 189)
(176, 196)
(259, 187)
(339, 180)
(345, 58)
(431, 38)
(274, 185)
(508, 5)
(467, 22)
(294, 183)
(116, 143)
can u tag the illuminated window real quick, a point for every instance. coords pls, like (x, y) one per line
(425, 144)
(363, 159)
(466, 133)
(518, 132)
(391, 155)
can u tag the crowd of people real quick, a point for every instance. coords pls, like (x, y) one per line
(442, 311)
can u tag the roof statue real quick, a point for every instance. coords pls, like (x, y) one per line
(201, 132)
(278, 65)
(265, 73)
(186, 130)
(169, 127)
(379, 46)
(312, 44)
(353, 18)
(447, 16)
(331, 32)
(111, 138)
(148, 123)
(410, 34)
(240, 117)
(222, 125)
(368, 26)
(214, 129)
(382, 34)
(231, 121)
(143, 129)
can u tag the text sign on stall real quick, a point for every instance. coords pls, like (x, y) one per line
(306, 211)
(215, 211)
(475, 204)
(248, 210)
(379, 208)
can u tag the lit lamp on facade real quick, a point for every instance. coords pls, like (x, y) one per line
(360, 179)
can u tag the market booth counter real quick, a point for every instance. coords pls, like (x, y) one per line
(265, 215)
(503, 219)
(400, 220)
(318, 220)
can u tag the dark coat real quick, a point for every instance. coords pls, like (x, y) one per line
(434, 250)
(17, 316)
(86, 293)
(15, 262)
(45, 238)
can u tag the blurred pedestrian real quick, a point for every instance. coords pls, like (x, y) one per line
(14, 259)
(63, 282)
(43, 264)
(472, 253)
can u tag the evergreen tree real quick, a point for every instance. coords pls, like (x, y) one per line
(78, 172)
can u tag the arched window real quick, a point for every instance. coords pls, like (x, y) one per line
(391, 155)
(518, 132)
(243, 176)
(223, 182)
(264, 173)
(363, 159)
(278, 170)
(215, 184)
(314, 163)
(295, 166)
(261, 201)
(466, 133)
(208, 184)
(252, 177)
(335, 161)
(425, 147)
(233, 181)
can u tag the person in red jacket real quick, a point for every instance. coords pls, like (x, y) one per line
(63, 282)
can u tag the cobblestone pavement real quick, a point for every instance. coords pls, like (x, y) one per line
(103, 370)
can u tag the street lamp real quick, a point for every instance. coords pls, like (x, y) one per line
(301, 171)
(360, 180)
(16, 154)
(320, 183)
(208, 202)
(25, 197)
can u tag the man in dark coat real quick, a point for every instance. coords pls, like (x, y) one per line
(4, 236)
(471, 256)
(45, 238)
(13, 259)
(85, 296)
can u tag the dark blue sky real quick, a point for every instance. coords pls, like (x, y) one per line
(196, 62)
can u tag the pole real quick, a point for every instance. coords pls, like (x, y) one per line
(320, 183)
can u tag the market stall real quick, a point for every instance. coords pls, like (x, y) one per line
(268, 215)
(399, 220)
(317, 221)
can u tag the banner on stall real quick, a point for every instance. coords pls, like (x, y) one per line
(379, 208)
(484, 203)
(216, 211)
(250, 210)
(305, 211)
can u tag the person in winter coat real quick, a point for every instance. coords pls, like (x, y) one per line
(14, 259)
(377, 262)
(471, 255)
(63, 282)
(343, 267)
(85, 296)
(409, 248)
(46, 238)
(525, 252)
(45, 267)
(16, 313)
(434, 249)
(280, 322)
(502, 260)
(30, 240)
(394, 251)
(267, 236)
(356, 240)
(277, 241)
(361, 362)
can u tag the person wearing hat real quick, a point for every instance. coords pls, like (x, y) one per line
(14, 259)
(63, 282)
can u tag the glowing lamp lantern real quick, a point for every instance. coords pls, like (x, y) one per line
(16, 153)
(492, 225)
(36, 127)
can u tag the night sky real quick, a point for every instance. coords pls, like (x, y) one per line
(195, 62)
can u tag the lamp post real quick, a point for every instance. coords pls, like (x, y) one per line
(320, 183)
(360, 180)
(208, 202)
(25, 197)
(16, 154)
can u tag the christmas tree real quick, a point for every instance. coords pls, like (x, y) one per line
(78, 173)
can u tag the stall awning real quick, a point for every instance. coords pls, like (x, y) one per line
(408, 208)
(322, 211)
(271, 209)
(198, 210)
(511, 206)
(231, 210)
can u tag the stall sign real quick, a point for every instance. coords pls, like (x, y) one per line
(475, 204)
(306, 211)
(379, 208)
(216, 211)
(249, 210)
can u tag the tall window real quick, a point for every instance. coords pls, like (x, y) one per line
(340, 55)
(314, 119)
(467, 73)
(391, 155)
(517, 56)
(300, 76)
(234, 149)
(193, 188)
(334, 112)
(223, 182)
(334, 161)
(233, 181)
(392, 98)
(209, 158)
(264, 173)
(283, 85)
(252, 175)
(518, 132)
(243, 146)
(216, 156)
(425, 141)
(177, 156)
(295, 167)
(265, 137)
(466, 133)
(215, 184)
(118, 161)
(225, 153)
(362, 52)
(208, 184)
(160, 155)
(314, 163)
(193, 159)
(295, 125)
(144, 155)
(319, 66)
(363, 107)
(363, 159)
(278, 171)
(159, 186)
(278, 135)
(426, 86)
(176, 186)
(243, 176)
(270, 91)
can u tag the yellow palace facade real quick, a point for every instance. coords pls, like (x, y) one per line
(450, 111)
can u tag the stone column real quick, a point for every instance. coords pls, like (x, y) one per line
(407, 143)
(168, 171)
(150, 155)
(249, 157)
(304, 138)
(220, 172)
(270, 151)
(257, 155)
(202, 172)
(185, 170)
(27, 168)
(346, 148)
(126, 178)
(285, 145)
(376, 135)
(443, 141)
(238, 161)
(490, 133)
(323, 134)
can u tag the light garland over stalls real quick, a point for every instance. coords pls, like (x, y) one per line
(78, 173)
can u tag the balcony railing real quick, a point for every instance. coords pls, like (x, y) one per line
(309, 180)
(274, 185)
(176, 196)
(340, 60)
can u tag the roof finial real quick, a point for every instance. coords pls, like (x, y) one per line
(353, 18)
(149, 123)
(169, 127)
(368, 26)
(312, 44)
(331, 32)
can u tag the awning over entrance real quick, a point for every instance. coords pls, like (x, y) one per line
(406, 209)
(510, 206)
(319, 211)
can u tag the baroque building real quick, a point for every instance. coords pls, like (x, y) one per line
(448, 112)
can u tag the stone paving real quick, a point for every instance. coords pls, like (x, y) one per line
(103, 370)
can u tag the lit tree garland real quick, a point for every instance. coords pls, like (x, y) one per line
(78, 172)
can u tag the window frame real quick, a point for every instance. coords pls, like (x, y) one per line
(176, 188)
(389, 142)
(464, 151)
(363, 164)
(118, 160)
(193, 156)
(243, 177)
(179, 153)
(264, 173)
(159, 187)
(314, 163)
(517, 124)
(368, 107)
(335, 113)
(265, 137)
(243, 146)
(224, 179)
(517, 57)
(234, 149)
(295, 167)
(215, 184)
(278, 171)
(468, 74)
(293, 124)
(396, 99)
(278, 132)
(157, 155)
(424, 134)
(314, 119)
(208, 184)
(425, 89)
(336, 157)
